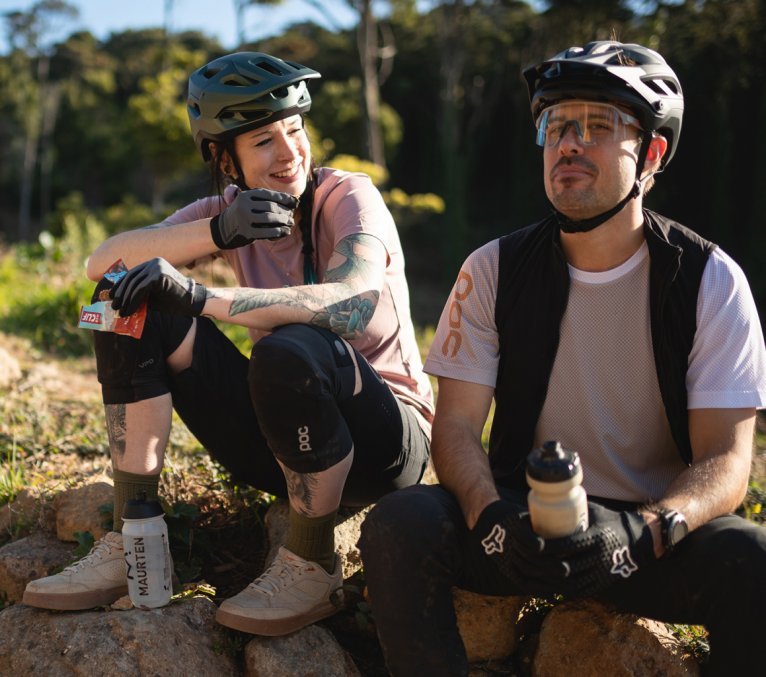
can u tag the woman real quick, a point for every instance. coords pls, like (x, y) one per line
(331, 408)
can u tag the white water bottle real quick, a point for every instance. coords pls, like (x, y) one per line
(557, 502)
(147, 553)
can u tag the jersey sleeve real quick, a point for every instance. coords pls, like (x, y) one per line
(727, 364)
(465, 345)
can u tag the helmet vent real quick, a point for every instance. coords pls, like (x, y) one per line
(234, 82)
(265, 65)
(210, 73)
(663, 87)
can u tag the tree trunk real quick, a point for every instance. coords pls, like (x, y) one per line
(367, 42)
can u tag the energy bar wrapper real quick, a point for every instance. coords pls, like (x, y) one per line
(100, 316)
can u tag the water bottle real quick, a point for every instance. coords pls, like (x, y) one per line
(147, 554)
(558, 505)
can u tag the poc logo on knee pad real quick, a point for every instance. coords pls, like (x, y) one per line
(303, 438)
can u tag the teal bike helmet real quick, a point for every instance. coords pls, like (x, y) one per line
(243, 91)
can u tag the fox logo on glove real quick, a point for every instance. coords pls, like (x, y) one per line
(622, 563)
(494, 542)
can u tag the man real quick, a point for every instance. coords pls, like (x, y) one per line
(619, 333)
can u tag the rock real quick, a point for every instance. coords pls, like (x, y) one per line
(587, 639)
(80, 510)
(29, 558)
(487, 624)
(179, 639)
(25, 513)
(10, 371)
(347, 528)
(311, 652)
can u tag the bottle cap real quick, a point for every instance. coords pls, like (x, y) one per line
(552, 463)
(141, 509)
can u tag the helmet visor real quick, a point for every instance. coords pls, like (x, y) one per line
(594, 123)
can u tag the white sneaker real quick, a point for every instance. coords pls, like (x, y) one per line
(98, 579)
(291, 594)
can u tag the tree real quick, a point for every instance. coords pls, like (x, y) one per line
(38, 106)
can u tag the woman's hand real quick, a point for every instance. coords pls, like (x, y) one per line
(257, 214)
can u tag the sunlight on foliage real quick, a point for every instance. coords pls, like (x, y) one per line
(12, 476)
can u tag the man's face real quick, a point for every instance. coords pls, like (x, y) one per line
(590, 155)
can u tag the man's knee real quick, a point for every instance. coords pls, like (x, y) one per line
(411, 520)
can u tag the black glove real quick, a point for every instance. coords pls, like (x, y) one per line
(256, 214)
(503, 534)
(162, 286)
(615, 545)
(613, 548)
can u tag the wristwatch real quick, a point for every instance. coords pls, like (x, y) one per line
(673, 526)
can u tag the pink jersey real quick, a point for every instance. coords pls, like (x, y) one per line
(344, 203)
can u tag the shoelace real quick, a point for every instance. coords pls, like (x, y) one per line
(98, 551)
(277, 576)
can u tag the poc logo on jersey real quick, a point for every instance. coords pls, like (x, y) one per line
(303, 438)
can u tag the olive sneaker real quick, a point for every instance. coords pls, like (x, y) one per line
(98, 579)
(291, 594)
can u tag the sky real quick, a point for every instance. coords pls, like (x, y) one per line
(212, 17)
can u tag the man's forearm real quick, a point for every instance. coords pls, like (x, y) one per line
(462, 467)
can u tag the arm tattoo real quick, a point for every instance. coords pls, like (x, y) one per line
(343, 310)
(301, 488)
(115, 429)
(154, 226)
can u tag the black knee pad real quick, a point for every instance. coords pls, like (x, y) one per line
(297, 376)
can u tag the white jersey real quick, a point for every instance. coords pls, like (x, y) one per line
(603, 396)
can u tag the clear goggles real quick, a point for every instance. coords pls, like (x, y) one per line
(594, 123)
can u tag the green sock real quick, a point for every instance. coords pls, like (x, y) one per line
(128, 485)
(312, 538)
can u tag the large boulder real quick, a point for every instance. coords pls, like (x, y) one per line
(487, 624)
(588, 639)
(311, 652)
(182, 638)
(29, 558)
(81, 509)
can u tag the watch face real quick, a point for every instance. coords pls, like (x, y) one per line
(677, 528)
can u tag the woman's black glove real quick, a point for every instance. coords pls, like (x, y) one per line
(615, 545)
(257, 214)
(162, 286)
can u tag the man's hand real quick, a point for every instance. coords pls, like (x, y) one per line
(503, 534)
(254, 215)
(615, 545)
(162, 286)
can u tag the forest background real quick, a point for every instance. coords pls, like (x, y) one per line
(426, 97)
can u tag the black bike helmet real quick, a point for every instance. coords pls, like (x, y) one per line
(242, 91)
(629, 74)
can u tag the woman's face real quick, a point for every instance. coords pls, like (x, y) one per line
(276, 157)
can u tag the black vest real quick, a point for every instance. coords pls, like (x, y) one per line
(532, 294)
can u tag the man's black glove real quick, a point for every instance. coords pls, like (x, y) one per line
(162, 286)
(256, 214)
(503, 534)
(612, 548)
(615, 545)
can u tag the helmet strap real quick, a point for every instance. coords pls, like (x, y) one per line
(584, 225)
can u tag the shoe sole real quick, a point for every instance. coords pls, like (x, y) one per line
(73, 602)
(274, 627)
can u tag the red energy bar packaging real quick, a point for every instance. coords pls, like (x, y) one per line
(100, 316)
